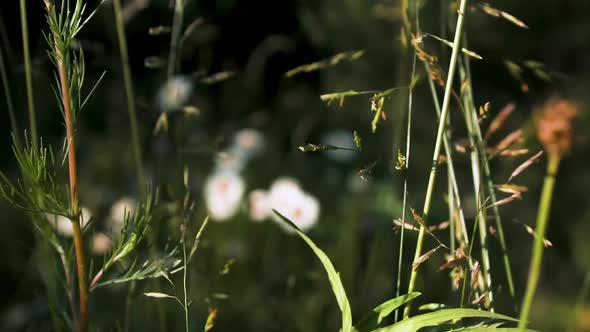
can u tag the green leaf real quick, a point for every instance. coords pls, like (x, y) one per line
(333, 276)
(439, 317)
(372, 320)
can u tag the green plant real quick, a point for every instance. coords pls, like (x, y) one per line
(373, 320)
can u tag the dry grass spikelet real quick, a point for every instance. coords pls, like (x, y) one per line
(554, 123)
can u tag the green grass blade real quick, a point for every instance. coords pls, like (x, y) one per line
(333, 276)
(372, 320)
(439, 317)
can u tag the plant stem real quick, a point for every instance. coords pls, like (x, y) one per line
(438, 144)
(405, 194)
(475, 157)
(72, 170)
(465, 72)
(184, 276)
(175, 41)
(29, 82)
(538, 246)
(8, 97)
(130, 94)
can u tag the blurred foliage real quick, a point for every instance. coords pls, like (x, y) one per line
(236, 55)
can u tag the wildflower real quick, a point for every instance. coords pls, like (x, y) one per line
(555, 125)
(101, 243)
(250, 141)
(286, 197)
(175, 93)
(119, 209)
(223, 194)
(259, 205)
(63, 225)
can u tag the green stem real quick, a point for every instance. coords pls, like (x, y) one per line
(405, 194)
(487, 174)
(130, 95)
(475, 157)
(29, 81)
(538, 246)
(175, 41)
(184, 278)
(438, 144)
(8, 96)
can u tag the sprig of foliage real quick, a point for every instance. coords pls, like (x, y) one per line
(39, 189)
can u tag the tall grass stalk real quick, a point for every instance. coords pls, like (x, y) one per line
(405, 194)
(59, 56)
(28, 73)
(8, 97)
(454, 196)
(476, 172)
(438, 144)
(175, 42)
(538, 246)
(465, 74)
(129, 94)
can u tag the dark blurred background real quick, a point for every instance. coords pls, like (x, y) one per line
(275, 282)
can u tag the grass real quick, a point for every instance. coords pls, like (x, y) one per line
(153, 242)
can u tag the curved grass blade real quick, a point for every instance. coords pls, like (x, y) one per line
(333, 276)
(439, 317)
(372, 320)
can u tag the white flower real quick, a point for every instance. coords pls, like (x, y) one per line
(101, 243)
(223, 193)
(259, 205)
(122, 206)
(175, 93)
(250, 141)
(287, 198)
(63, 225)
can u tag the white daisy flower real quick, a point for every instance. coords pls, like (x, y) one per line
(287, 198)
(63, 225)
(223, 194)
(259, 207)
(175, 93)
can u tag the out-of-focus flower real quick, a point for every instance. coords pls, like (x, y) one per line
(286, 197)
(223, 194)
(259, 207)
(250, 141)
(101, 243)
(555, 125)
(341, 139)
(232, 160)
(122, 206)
(63, 225)
(175, 93)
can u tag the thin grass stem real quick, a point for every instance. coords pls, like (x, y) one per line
(8, 97)
(175, 42)
(28, 74)
(538, 246)
(438, 144)
(127, 78)
(465, 73)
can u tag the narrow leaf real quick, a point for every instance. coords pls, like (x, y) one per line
(333, 276)
(326, 63)
(438, 317)
(372, 320)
